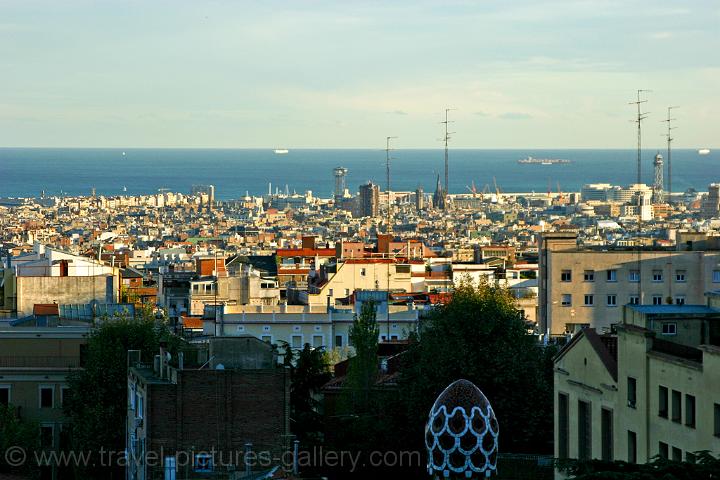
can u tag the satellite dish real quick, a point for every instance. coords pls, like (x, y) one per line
(219, 366)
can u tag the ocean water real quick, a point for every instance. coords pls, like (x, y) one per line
(28, 171)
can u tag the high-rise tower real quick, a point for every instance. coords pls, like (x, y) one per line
(339, 173)
(658, 194)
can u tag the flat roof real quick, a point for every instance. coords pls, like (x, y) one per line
(674, 309)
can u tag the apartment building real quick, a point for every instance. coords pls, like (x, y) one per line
(582, 287)
(639, 393)
(198, 417)
(34, 364)
(49, 275)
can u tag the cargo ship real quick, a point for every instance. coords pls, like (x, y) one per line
(544, 161)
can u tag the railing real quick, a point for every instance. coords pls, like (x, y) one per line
(38, 361)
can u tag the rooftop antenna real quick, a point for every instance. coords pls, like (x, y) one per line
(640, 200)
(669, 120)
(446, 139)
(387, 172)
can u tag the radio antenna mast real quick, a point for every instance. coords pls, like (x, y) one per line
(669, 120)
(446, 139)
(640, 200)
(387, 172)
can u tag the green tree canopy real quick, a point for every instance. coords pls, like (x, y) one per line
(481, 336)
(96, 401)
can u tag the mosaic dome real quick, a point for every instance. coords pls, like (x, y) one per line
(461, 435)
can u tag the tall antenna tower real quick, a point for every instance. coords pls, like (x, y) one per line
(670, 128)
(657, 189)
(387, 172)
(339, 173)
(640, 198)
(446, 139)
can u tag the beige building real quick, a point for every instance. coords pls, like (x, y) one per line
(34, 363)
(49, 275)
(301, 324)
(639, 393)
(587, 287)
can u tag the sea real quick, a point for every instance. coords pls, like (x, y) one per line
(27, 172)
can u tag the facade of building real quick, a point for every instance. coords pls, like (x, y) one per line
(588, 287)
(639, 393)
(34, 364)
(200, 419)
(369, 200)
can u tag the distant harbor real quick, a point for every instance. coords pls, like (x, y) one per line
(543, 161)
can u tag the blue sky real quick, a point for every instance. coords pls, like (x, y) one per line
(189, 73)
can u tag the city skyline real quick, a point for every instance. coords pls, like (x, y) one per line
(227, 75)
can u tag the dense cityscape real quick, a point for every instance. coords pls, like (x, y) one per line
(312, 240)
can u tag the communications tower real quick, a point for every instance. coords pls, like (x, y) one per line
(657, 189)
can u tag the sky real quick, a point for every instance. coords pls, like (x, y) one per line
(347, 74)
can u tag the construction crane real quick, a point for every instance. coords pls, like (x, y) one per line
(485, 191)
(560, 193)
(497, 189)
(472, 188)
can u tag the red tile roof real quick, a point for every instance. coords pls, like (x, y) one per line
(46, 309)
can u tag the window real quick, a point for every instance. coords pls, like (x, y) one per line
(584, 431)
(676, 406)
(330, 292)
(296, 341)
(47, 434)
(716, 276)
(46, 397)
(566, 276)
(680, 276)
(363, 272)
(716, 414)
(669, 328)
(612, 275)
(589, 300)
(566, 300)
(634, 276)
(634, 300)
(5, 395)
(139, 410)
(317, 341)
(663, 402)
(657, 299)
(338, 340)
(606, 434)
(63, 395)
(612, 300)
(589, 275)
(663, 450)
(680, 300)
(657, 276)
(563, 425)
(266, 338)
(690, 410)
(203, 463)
(632, 447)
(676, 454)
(347, 292)
(632, 392)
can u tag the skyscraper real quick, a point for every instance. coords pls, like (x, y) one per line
(369, 200)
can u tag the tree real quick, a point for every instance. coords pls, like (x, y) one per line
(480, 335)
(310, 372)
(96, 401)
(363, 366)
(705, 467)
(15, 432)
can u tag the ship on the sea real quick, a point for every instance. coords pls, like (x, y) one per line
(544, 161)
(281, 151)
